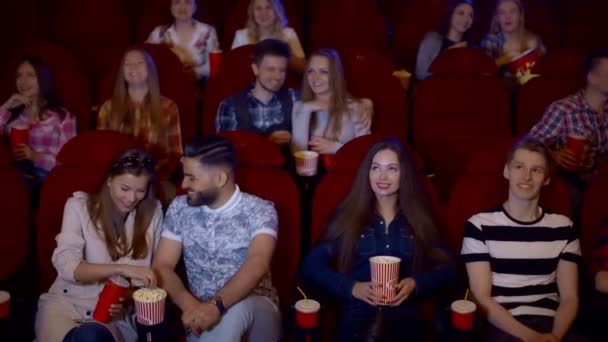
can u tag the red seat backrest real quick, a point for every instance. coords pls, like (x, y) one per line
(253, 149)
(276, 185)
(473, 193)
(94, 149)
(594, 215)
(15, 227)
(60, 184)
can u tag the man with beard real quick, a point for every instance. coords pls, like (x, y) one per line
(263, 107)
(227, 238)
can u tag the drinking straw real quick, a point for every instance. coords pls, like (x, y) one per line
(466, 294)
(302, 292)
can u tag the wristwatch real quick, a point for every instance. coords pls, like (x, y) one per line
(219, 304)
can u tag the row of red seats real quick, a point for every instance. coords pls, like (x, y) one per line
(362, 24)
(458, 108)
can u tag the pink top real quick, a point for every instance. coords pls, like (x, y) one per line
(47, 136)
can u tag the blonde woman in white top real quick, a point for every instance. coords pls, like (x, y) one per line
(267, 19)
(112, 232)
(327, 116)
(190, 39)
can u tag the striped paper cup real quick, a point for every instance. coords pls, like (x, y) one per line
(385, 275)
(306, 163)
(150, 305)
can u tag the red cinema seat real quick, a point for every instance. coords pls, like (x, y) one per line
(359, 26)
(255, 150)
(378, 84)
(94, 149)
(60, 184)
(459, 108)
(277, 185)
(594, 216)
(15, 227)
(474, 193)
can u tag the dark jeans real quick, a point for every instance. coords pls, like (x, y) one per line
(542, 324)
(34, 177)
(364, 323)
(89, 332)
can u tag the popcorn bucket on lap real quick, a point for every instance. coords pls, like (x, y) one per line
(385, 275)
(150, 305)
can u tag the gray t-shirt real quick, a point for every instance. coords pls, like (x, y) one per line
(215, 241)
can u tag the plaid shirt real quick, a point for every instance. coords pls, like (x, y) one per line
(263, 116)
(164, 148)
(573, 116)
(492, 45)
(46, 136)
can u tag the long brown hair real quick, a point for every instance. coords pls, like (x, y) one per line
(253, 30)
(340, 98)
(103, 212)
(122, 117)
(357, 210)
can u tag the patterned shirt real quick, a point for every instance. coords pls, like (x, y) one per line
(171, 145)
(46, 136)
(215, 241)
(492, 45)
(263, 116)
(573, 116)
(523, 257)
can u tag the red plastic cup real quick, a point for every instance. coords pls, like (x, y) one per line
(307, 313)
(150, 305)
(19, 136)
(385, 275)
(5, 304)
(113, 290)
(463, 314)
(576, 145)
(306, 163)
(215, 62)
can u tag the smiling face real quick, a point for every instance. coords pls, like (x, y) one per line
(127, 190)
(271, 72)
(264, 14)
(509, 17)
(201, 182)
(385, 174)
(27, 81)
(183, 10)
(527, 173)
(317, 75)
(462, 18)
(135, 68)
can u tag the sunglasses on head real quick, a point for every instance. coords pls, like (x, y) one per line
(133, 162)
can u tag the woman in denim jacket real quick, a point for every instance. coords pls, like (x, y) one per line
(387, 212)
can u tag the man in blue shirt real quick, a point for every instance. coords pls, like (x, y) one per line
(263, 107)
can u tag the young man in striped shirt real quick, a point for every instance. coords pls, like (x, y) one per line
(521, 260)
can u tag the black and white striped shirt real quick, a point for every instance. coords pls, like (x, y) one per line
(523, 257)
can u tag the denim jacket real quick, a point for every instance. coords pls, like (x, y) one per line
(377, 239)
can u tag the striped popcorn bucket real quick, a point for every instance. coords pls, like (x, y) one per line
(150, 305)
(306, 163)
(385, 275)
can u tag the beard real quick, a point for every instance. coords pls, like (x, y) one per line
(201, 198)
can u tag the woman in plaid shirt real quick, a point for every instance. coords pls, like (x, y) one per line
(34, 106)
(137, 108)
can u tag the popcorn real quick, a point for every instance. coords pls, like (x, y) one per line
(147, 295)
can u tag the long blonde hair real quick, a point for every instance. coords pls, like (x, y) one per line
(253, 31)
(340, 98)
(122, 118)
(103, 213)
